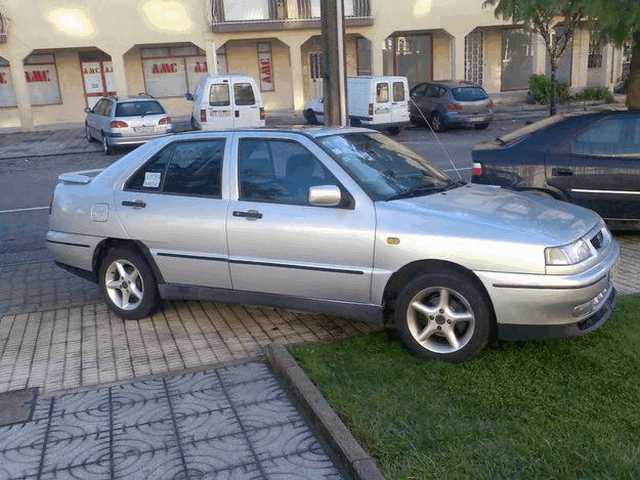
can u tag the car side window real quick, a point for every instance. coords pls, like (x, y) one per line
(398, 91)
(382, 93)
(419, 91)
(279, 171)
(613, 136)
(244, 95)
(219, 95)
(99, 107)
(183, 168)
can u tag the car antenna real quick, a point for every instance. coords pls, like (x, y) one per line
(446, 152)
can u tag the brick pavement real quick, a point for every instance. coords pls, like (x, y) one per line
(229, 423)
(82, 346)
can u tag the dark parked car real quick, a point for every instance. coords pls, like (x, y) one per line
(590, 159)
(450, 103)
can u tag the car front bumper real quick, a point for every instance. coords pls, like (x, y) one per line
(538, 306)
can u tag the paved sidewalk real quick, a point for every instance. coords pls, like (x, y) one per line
(83, 346)
(230, 423)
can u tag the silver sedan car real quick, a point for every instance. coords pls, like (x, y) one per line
(344, 221)
(122, 122)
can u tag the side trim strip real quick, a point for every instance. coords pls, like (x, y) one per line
(82, 245)
(297, 267)
(556, 287)
(615, 192)
(192, 257)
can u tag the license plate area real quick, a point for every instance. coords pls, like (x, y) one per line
(219, 113)
(144, 129)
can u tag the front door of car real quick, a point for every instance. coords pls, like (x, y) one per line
(93, 117)
(174, 205)
(599, 167)
(278, 242)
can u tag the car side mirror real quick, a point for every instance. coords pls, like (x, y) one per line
(87, 110)
(188, 96)
(325, 196)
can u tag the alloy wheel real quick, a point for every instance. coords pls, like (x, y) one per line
(440, 320)
(105, 144)
(124, 285)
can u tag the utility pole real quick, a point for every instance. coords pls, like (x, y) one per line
(335, 68)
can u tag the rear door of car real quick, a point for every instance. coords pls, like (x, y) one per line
(217, 106)
(598, 166)
(399, 106)
(176, 205)
(245, 105)
(382, 107)
(418, 98)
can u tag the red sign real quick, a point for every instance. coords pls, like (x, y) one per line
(200, 67)
(37, 76)
(3, 78)
(164, 68)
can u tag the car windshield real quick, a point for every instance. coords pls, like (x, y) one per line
(384, 168)
(529, 129)
(134, 109)
(469, 94)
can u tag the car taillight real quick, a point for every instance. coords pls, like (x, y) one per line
(371, 109)
(118, 124)
(165, 121)
(203, 115)
(476, 171)
(263, 115)
(454, 107)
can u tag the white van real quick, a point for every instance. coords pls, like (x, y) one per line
(226, 101)
(377, 102)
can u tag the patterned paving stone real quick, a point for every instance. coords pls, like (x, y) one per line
(151, 430)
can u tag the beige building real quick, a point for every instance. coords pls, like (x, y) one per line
(57, 57)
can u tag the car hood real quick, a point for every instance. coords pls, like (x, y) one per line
(505, 213)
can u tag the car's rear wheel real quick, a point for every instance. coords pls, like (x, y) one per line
(128, 284)
(393, 131)
(444, 316)
(106, 146)
(437, 122)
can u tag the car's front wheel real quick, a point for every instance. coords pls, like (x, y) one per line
(444, 316)
(128, 284)
(106, 146)
(438, 122)
(87, 133)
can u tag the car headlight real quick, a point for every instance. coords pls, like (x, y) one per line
(571, 254)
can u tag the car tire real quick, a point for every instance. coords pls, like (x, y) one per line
(87, 134)
(194, 125)
(393, 131)
(454, 327)
(437, 122)
(122, 293)
(481, 126)
(106, 146)
(310, 117)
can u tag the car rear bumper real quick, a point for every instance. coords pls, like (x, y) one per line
(537, 306)
(118, 139)
(385, 126)
(73, 250)
(454, 118)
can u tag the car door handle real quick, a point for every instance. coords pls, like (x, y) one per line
(134, 204)
(249, 214)
(561, 172)
(237, 113)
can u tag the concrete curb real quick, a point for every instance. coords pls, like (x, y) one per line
(351, 455)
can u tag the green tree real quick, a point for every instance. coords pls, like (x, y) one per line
(541, 16)
(618, 21)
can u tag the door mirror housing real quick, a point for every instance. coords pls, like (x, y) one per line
(189, 96)
(87, 110)
(325, 196)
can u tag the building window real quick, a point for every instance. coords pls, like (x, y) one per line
(595, 54)
(474, 57)
(42, 79)
(410, 56)
(7, 94)
(363, 56)
(172, 71)
(221, 55)
(265, 66)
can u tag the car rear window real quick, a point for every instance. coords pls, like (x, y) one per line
(244, 94)
(219, 95)
(134, 109)
(469, 94)
(398, 91)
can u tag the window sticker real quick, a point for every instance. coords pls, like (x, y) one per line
(152, 179)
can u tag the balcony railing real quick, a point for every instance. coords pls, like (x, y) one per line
(261, 15)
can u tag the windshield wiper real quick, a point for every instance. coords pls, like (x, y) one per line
(426, 189)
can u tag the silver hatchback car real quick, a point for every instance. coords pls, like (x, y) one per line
(126, 122)
(344, 221)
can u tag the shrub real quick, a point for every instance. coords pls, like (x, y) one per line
(622, 84)
(539, 87)
(595, 93)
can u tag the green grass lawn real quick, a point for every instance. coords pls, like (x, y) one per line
(553, 409)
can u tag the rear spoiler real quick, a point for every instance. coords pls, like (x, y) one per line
(82, 177)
